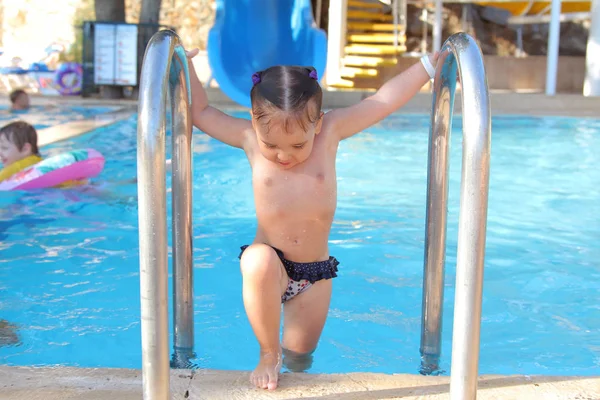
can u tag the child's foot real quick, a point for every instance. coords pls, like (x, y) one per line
(266, 373)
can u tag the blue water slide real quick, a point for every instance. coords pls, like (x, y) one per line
(252, 35)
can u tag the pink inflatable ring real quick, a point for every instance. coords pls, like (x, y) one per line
(71, 166)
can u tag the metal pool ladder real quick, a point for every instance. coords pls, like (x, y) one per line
(165, 74)
(459, 54)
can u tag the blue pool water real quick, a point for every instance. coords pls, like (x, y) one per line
(46, 116)
(69, 261)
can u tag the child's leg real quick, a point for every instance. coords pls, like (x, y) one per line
(304, 319)
(264, 282)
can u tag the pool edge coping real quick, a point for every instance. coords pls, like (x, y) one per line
(71, 129)
(501, 102)
(50, 383)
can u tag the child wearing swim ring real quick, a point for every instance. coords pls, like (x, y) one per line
(18, 148)
(291, 146)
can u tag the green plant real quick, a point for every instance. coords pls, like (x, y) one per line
(84, 13)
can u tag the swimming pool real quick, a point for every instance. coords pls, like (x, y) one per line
(69, 262)
(46, 116)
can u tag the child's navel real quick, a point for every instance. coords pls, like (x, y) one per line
(320, 177)
(268, 181)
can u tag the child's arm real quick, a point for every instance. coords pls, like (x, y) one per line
(224, 128)
(391, 96)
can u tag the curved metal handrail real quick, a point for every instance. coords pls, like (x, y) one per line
(459, 54)
(164, 72)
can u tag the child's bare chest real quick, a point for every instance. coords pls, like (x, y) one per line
(309, 190)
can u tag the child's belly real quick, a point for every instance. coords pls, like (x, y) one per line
(301, 241)
(297, 223)
(295, 209)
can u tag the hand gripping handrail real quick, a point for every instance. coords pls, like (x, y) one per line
(461, 54)
(165, 74)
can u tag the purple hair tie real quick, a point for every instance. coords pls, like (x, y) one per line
(255, 78)
(313, 74)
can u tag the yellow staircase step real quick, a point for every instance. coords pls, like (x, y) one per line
(355, 49)
(371, 16)
(375, 38)
(353, 72)
(342, 83)
(369, 26)
(358, 61)
(370, 37)
(364, 4)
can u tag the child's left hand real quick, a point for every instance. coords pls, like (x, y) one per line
(433, 58)
(191, 53)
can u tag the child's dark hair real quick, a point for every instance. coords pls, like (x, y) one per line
(14, 95)
(19, 133)
(291, 89)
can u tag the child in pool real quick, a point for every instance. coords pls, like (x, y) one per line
(18, 148)
(291, 146)
(19, 151)
(19, 100)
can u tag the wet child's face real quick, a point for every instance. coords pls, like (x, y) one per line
(10, 153)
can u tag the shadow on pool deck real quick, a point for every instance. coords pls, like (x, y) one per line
(79, 383)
